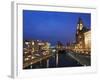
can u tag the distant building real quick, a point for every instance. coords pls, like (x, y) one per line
(83, 37)
(36, 46)
(59, 46)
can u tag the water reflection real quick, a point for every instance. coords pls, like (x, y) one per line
(61, 59)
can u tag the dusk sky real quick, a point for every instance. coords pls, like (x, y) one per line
(52, 26)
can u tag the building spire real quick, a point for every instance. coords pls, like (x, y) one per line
(80, 24)
(80, 20)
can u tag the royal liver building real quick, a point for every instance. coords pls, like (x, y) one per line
(83, 38)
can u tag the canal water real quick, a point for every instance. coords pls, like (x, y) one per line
(61, 59)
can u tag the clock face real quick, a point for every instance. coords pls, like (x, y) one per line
(77, 26)
(81, 26)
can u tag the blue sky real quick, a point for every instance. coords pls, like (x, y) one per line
(52, 26)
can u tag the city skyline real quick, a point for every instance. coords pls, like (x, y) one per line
(52, 26)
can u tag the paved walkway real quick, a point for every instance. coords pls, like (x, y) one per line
(82, 59)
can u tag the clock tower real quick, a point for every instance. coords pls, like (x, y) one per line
(80, 33)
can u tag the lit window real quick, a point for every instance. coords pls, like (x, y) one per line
(26, 43)
(32, 43)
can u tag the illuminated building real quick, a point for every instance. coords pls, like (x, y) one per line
(83, 38)
(87, 39)
(59, 46)
(81, 29)
(34, 48)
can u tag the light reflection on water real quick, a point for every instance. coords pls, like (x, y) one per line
(57, 60)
